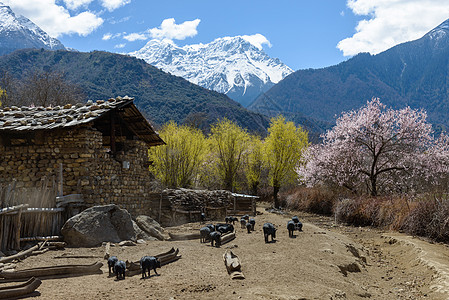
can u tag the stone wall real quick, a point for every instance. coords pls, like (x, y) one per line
(178, 206)
(88, 167)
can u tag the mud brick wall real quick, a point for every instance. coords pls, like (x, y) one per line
(88, 167)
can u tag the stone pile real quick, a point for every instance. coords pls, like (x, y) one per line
(194, 200)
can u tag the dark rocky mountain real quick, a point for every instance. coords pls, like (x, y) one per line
(18, 32)
(159, 95)
(415, 73)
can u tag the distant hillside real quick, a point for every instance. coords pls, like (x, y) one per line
(414, 73)
(159, 95)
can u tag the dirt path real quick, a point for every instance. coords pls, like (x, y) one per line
(323, 262)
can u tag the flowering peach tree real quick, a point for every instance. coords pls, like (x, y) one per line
(375, 149)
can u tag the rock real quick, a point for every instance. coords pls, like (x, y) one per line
(127, 243)
(107, 223)
(151, 221)
(140, 234)
(141, 241)
(150, 227)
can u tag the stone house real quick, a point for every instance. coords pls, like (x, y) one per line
(98, 149)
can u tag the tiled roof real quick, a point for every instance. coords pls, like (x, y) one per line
(23, 119)
(43, 118)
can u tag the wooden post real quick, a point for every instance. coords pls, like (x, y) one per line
(18, 224)
(107, 251)
(160, 209)
(112, 139)
(235, 203)
(253, 204)
(61, 181)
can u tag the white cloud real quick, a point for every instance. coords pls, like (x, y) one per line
(120, 46)
(391, 22)
(135, 37)
(258, 40)
(170, 30)
(109, 36)
(124, 19)
(55, 19)
(106, 36)
(75, 4)
(113, 4)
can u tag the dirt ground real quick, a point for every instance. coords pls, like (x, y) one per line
(325, 261)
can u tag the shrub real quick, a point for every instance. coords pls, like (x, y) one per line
(315, 200)
(429, 218)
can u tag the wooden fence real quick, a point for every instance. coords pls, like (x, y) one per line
(242, 205)
(29, 214)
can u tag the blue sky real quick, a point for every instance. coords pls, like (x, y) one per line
(302, 34)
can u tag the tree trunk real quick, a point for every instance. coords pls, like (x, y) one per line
(254, 188)
(373, 180)
(276, 189)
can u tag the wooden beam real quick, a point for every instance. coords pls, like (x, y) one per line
(112, 129)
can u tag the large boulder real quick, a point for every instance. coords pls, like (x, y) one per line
(107, 223)
(150, 227)
(140, 234)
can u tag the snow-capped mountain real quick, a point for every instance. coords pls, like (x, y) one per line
(18, 32)
(439, 36)
(229, 65)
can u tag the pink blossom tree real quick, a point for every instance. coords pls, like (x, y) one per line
(375, 149)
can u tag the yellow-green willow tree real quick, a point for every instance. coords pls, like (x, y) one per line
(229, 144)
(254, 164)
(176, 164)
(283, 152)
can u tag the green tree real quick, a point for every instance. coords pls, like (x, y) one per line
(283, 150)
(254, 165)
(176, 164)
(229, 142)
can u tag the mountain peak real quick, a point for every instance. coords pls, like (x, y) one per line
(231, 65)
(439, 32)
(18, 32)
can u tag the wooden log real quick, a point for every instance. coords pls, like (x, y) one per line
(57, 245)
(12, 209)
(7, 266)
(107, 251)
(50, 210)
(69, 199)
(77, 256)
(21, 289)
(19, 255)
(227, 237)
(37, 252)
(25, 283)
(233, 265)
(42, 238)
(133, 268)
(180, 211)
(54, 270)
(43, 244)
(183, 236)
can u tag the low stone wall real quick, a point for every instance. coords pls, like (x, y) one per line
(174, 207)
